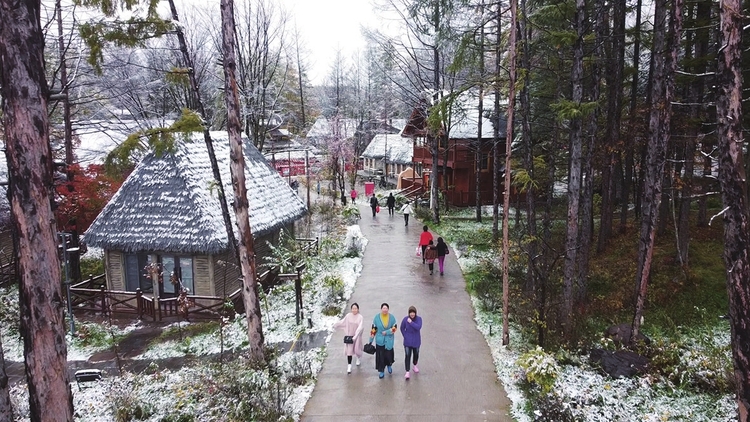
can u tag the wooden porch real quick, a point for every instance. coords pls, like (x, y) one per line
(92, 296)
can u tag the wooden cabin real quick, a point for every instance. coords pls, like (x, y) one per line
(457, 151)
(168, 212)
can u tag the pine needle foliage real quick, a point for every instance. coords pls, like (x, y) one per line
(131, 32)
(160, 140)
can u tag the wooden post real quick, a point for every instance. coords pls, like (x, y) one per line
(139, 306)
(103, 292)
(300, 314)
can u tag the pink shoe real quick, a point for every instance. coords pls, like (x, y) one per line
(407, 376)
(416, 369)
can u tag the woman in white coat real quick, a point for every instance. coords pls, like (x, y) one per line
(406, 209)
(352, 324)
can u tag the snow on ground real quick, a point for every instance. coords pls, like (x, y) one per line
(159, 392)
(592, 397)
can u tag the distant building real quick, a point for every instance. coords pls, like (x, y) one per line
(457, 152)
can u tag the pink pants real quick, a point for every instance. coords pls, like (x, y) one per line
(441, 260)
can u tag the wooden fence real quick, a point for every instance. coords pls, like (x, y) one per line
(91, 295)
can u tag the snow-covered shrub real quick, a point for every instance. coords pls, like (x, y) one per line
(540, 368)
(701, 365)
(483, 282)
(99, 336)
(351, 214)
(355, 241)
(128, 405)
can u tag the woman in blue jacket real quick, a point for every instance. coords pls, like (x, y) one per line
(383, 330)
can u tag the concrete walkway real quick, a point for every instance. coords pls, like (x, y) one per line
(457, 380)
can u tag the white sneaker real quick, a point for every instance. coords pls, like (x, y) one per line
(349, 369)
(357, 361)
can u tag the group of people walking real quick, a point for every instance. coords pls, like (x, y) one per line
(390, 202)
(383, 333)
(431, 251)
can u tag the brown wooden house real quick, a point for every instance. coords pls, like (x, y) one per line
(457, 152)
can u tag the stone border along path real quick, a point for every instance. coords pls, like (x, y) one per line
(457, 379)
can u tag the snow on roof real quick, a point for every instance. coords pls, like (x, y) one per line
(290, 155)
(169, 204)
(466, 123)
(399, 150)
(398, 123)
(322, 128)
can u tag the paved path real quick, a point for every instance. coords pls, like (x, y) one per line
(457, 380)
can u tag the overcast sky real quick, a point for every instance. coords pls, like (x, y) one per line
(329, 25)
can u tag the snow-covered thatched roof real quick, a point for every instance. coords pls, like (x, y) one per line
(169, 204)
(400, 150)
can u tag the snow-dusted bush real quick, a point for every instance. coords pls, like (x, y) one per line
(540, 368)
(351, 214)
(355, 241)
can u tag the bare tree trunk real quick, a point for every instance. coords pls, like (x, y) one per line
(574, 174)
(614, 100)
(478, 152)
(508, 141)
(587, 198)
(659, 134)
(237, 167)
(627, 183)
(496, 134)
(435, 144)
(26, 130)
(696, 90)
(300, 82)
(524, 30)
(733, 182)
(197, 103)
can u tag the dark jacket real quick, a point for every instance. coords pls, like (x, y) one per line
(373, 201)
(391, 201)
(442, 249)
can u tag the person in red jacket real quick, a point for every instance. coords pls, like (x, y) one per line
(424, 240)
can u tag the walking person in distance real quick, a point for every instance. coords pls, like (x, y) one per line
(383, 332)
(442, 251)
(406, 209)
(354, 195)
(424, 239)
(374, 205)
(430, 255)
(353, 326)
(411, 327)
(391, 203)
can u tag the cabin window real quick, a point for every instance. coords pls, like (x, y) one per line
(484, 162)
(179, 269)
(135, 273)
(180, 266)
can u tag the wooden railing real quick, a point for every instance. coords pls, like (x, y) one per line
(91, 295)
(8, 274)
(93, 282)
(309, 246)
